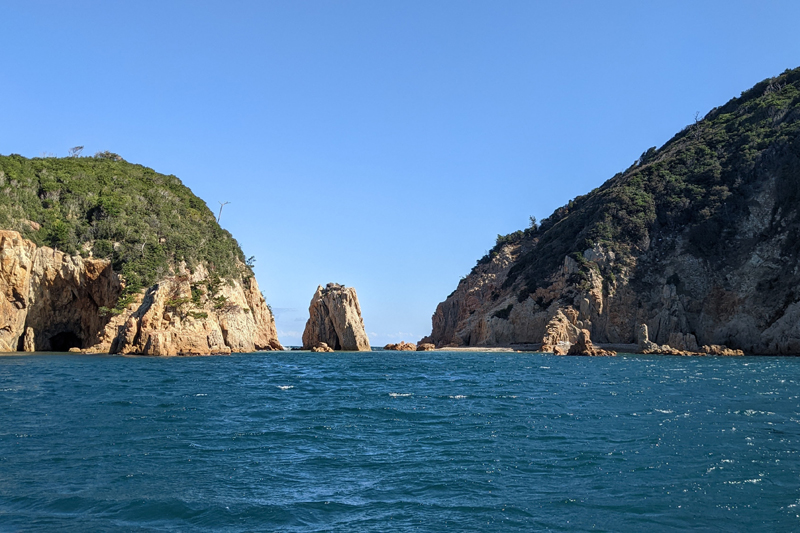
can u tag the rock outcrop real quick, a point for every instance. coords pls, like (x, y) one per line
(715, 349)
(584, 346)
(321, 347)
(643, 340)
(425, 346)
(695, 241)
(401, 347)
(335, 319)
(54, 301)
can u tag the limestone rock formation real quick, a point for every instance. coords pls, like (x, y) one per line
(335, 319)
(401, 346)
(584, 346)
(54, 301)
(695, 241)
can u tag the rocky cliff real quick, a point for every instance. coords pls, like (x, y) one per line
(335, 320)
(54, 301)
(109, 256)
(699, 240)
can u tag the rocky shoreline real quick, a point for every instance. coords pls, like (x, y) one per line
(57, 302)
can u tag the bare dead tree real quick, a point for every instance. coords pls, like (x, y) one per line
(75, 151)
(697, 125)
(221, 205)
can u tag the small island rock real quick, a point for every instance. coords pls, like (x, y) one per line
(335, 319)
(401, 346)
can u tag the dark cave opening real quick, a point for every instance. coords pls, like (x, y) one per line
(62, 342)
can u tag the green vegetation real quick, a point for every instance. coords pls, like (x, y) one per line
(144, 222)
(696, 185)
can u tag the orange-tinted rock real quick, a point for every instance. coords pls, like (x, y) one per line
(401, 347)
(584, 346)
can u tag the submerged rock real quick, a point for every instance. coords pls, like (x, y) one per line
(335, 319)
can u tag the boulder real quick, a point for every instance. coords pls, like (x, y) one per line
(335, 319)
(562, 348)
(560, 329)
(321, 347)
(584, 346)
(425, 346)
(401, 347)
(715, 349)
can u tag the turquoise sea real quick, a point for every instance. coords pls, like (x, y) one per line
(388, 441)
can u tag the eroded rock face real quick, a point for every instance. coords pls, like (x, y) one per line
(743, 301)
(50, 300)
(185, 315)
(584, 346)
(16, 262)
(701, 253)
(335, 319)
(53, 301)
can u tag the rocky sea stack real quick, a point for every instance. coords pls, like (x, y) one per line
(335, 320)
(699, 240)
(103, 256)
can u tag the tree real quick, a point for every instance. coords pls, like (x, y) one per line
(534, 225)
(221, 205)
(75, 151)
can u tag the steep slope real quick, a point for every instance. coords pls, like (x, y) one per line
(103, 255)
(699, 238)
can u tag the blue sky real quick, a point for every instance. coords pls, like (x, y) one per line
(379, 144)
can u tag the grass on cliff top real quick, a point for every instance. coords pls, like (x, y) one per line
(143, 221)
(697, 184)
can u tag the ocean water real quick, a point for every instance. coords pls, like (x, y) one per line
(388, 441)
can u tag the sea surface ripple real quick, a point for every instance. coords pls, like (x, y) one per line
(387, 441)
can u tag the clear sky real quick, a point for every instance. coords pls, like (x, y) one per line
(380, 144)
